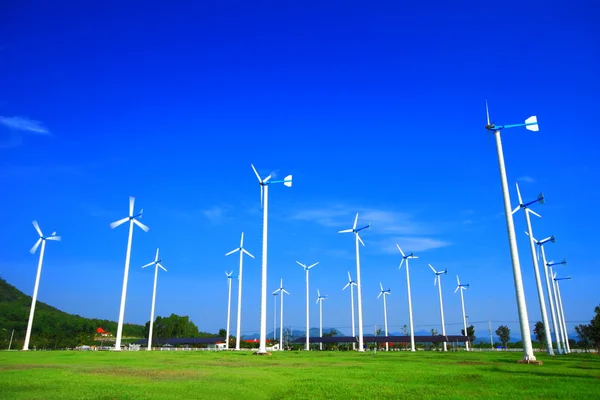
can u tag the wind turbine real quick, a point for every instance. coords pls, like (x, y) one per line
(540, 244)
(229, 277)
(42, 240)
(132, 220)
(350, 284)
(320, 301)
(157, 264)
(264, 202)
(242, 250)
(358, 287)
(534, 259)
(532, 125)
(384, 293)
(307, 347)
(562, 311)
(462, 300)
(410, 316)
(438, 280)
(275, 315)
(559, 316)
(281, 290)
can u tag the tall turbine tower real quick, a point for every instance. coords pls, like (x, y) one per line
(350, 284)
(540, 244)
(410, 316)
(358, 287)
(242, 250)
(306, 268)
(132, 220)
(438, 280)
(275, 294)
(42, 240)
(281, 291)
(320, 301)
(157, 263)
(532, 125)
(384, 293)
(228, 275)
(264, 199)
(462, 301)
(534, 259)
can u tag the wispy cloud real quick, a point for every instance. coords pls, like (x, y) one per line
(214, 213)
(24, 124)
(526, 179)
(411, 244)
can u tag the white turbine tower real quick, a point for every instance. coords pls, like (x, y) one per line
(548, 275)
(132, 220)
(242, 250)
(229, 277)
(462, 300)
(562, 311)
(559, 317)
(157, 263)
(384, 293)
(350, 284)
(410, 316)
(358, 287)
(320, 301)
(532, 125)
(438, 280)
(275, 294)
(42, 240)
(264, 200)
(534, 259)
(281, 291)
(307, 347)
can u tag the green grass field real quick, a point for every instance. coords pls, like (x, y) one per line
(294, 375)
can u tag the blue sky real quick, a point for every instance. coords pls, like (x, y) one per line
(377, 108)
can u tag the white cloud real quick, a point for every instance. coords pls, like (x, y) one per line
(526, 179)
(214, 214)
(411, 244)
(24, 124)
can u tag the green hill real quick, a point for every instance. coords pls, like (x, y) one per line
(52, 328)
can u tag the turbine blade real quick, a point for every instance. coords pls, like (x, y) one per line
(435, 280)
(360, 240)
(300, 264)
(313, 265)
(401, 262)
(131, 201)
(242, 241)
(345, 231)
(248, 253)
(534, 213)
(276, 291)
(379, 295)
(285, 291)
(57, 238)
(256, 172)
(35, 246)
(160, 265)
(519, 194)
(349, 277)
(156, 258)
(487, 112)
(401, 252)
(458, 287)
(347, 284)
(149, 264)
(381, 286)
(138, 223)
(113, 225)
(517, 208)
(232, 251)
(267, 179)
(457, 280)
(433, 269)
(37, 228)
(355, 221)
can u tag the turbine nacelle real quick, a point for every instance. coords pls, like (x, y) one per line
(530, 124)
(281, 289)
(356, 230)
(287, 181)
(552, 263)
(525, 206)
(404, 256)
(306, 268)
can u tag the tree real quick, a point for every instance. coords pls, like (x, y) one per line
(222, 332)
(590, 333)
(540, 333)
(470, 333)
(434, 332)
(503, 332)
(583, 332)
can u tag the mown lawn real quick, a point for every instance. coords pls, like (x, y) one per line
(294, 375)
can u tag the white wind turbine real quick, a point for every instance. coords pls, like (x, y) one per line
(358, 287)
(548, 275)
(242, 250)
(281, 291)
(562, 311)
(534, 259)
(157, 263)
(42, 240)
(384, 293)
(275, 294)
(559, 316)
(228, 275)
(462, 300)
(350, 284)
(410, 316)
(264, 200)
(438, 281)
(320, 301)
(132, 220)
(306, 268)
